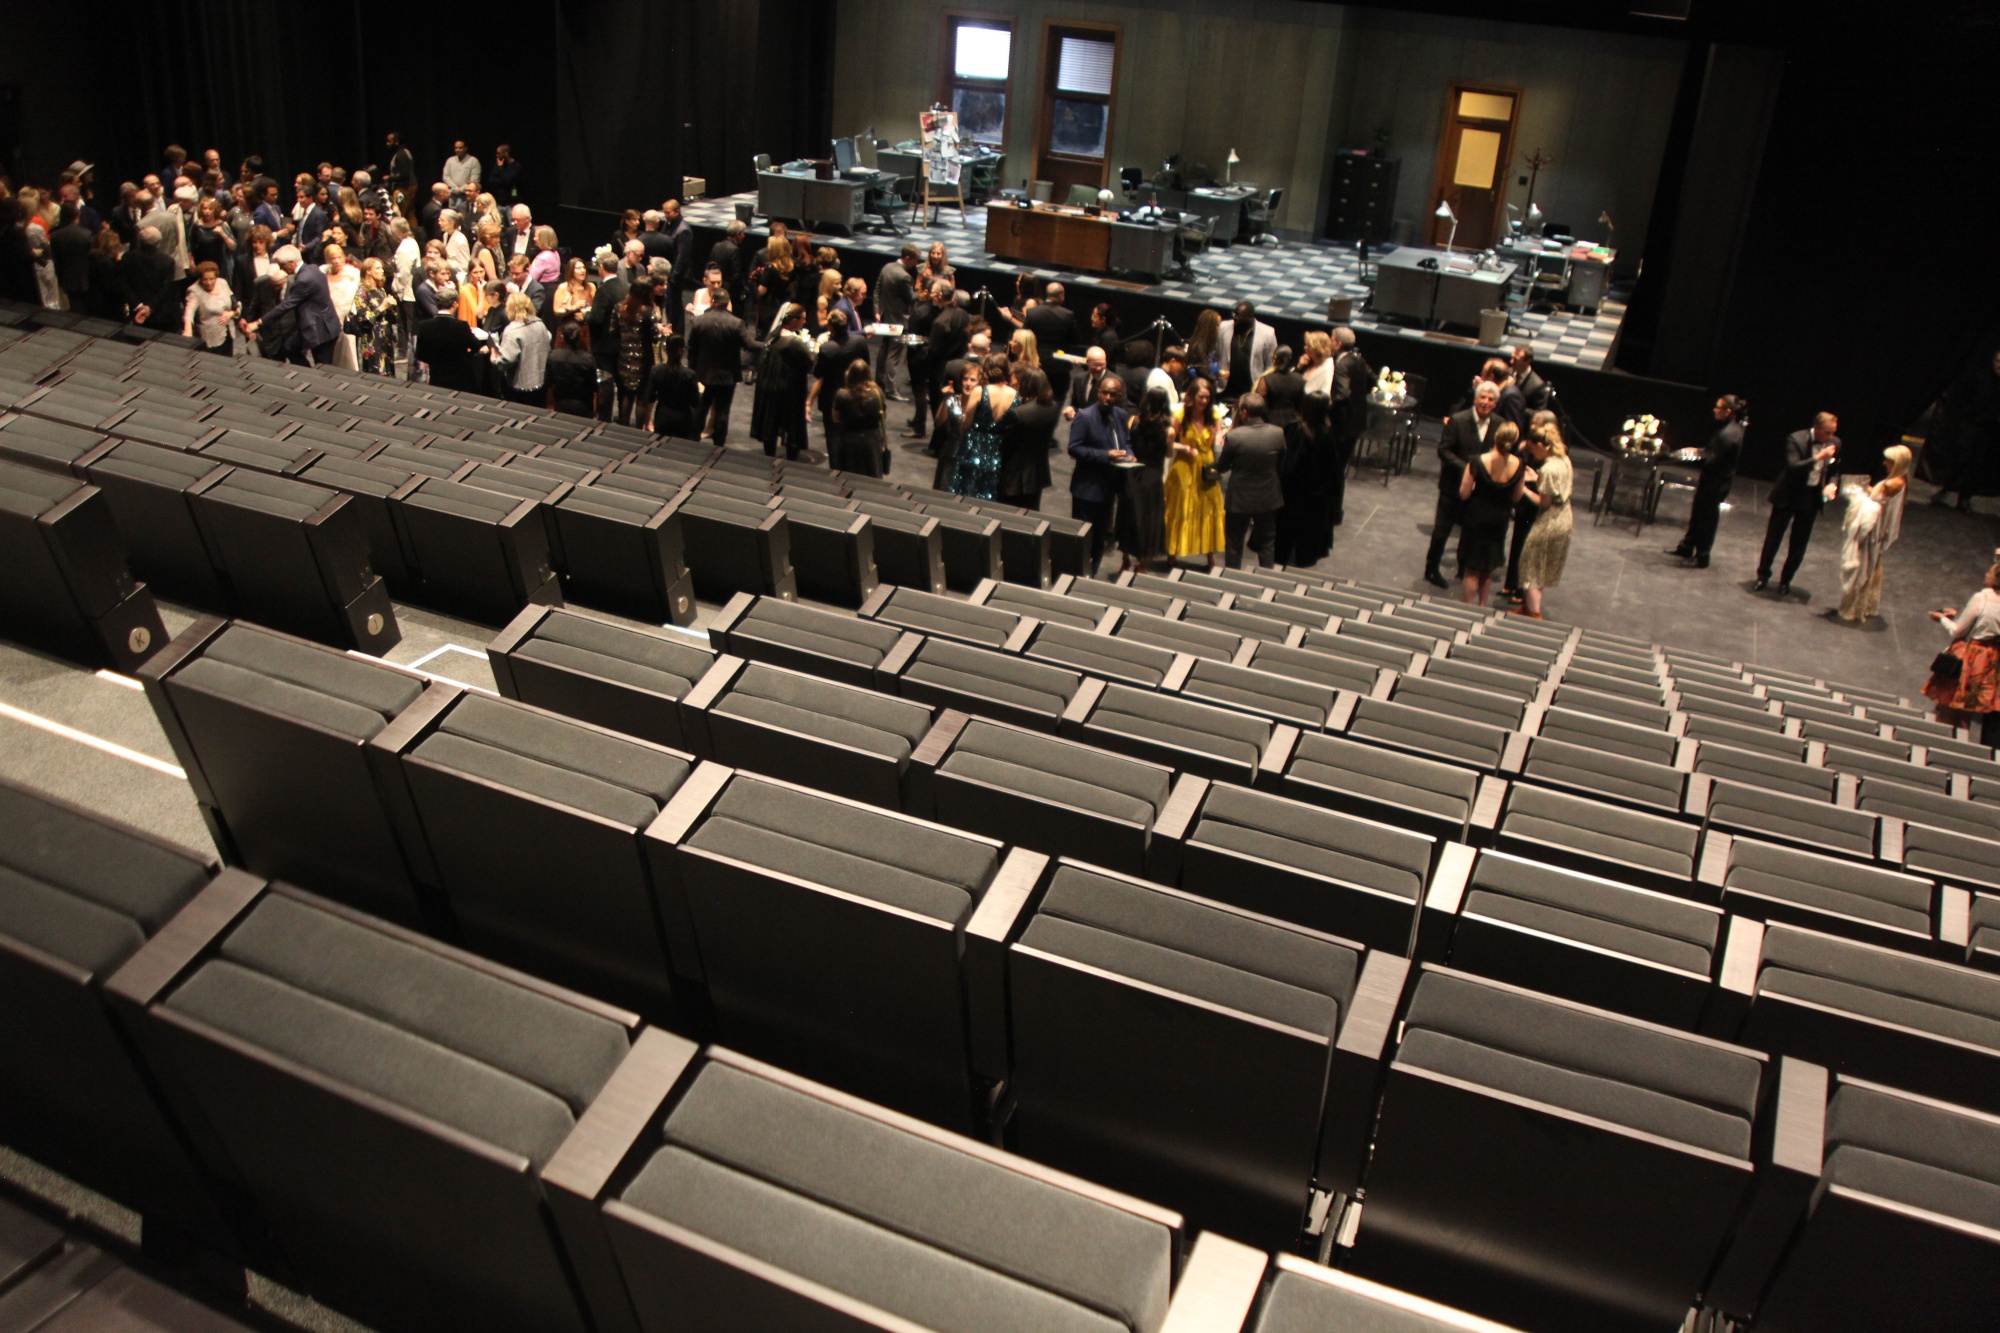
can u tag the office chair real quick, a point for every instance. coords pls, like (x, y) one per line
(1258, 210)
(1081, 196)
(1191, 239)
(885, 200)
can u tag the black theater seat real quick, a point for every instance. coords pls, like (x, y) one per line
(1814, 823)
(1836, 894)
(909, 547)
(1449, 800)
(944, 617)
(68, 588)
(385, 1105)
(1582, 937)
(530, 825)
(480, 553)
(585, 666)
(147, 488)
(623, 553)
(1612, 776)
(806, 729)
(971, 545)
(1105, 1082)
(1179, 636)
(1324, 669)
(737, 546)
(273, 733)
(1032, 790)
(1142, 664)
(824, 643)
(1305, 1297)
(1284, 698)
(1601, 838)
(1186, 736)
(826, 933)
(1053, 608)
(1441, 735)
(1516, 1130)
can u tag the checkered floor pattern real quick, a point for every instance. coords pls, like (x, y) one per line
(1294, 279)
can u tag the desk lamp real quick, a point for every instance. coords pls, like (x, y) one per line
(1444, 211)
(1229, 171)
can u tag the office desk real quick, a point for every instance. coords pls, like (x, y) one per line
(1224, 203)
(1073, 239)
(831, 203)
(1461, 290)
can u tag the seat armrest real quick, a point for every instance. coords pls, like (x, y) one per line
(1355, 1070)
(1695, 795)
(994, 922)
(1437, 917)
(1170, 828)
(919, 786)
(1714, 865)
(1735, 978)
(1218, 1286)
(1954, 923)
(1791, 1136)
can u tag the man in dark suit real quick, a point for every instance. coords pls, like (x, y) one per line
(895, 298)
(612, 289)
(309, 298)
(1054, 327)
(270, 336)
(1513, 404)
(729, 257)
(427, 216)
(680, 251)
(69, 248)
(447, 345)
(1098, 443)
(437, 294)
(1718, 474)
(1534, 389)
(1249, 458)
(949, 333)
(1797, 496)
(1353, 379)
(149, 278)
(716, 342)
(1464, 438)
(1082, 390)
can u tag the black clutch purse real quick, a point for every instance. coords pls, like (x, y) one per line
(1947, 666)
(1210, 477)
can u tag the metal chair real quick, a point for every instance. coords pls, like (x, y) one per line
(885, 200)
(1258, 210)
(1191, 239)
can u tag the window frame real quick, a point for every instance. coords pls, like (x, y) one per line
(949, 81)
(1053, 31)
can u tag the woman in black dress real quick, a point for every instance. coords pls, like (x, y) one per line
(638, 327)
(1283, 389)
(784, 374)
(1027, 434)
(1493, 481)
(1312, 459)
(855, 441)
(674, 392)
(1142, 512)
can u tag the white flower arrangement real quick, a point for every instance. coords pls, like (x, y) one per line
(1641, 435)
(1389, 385)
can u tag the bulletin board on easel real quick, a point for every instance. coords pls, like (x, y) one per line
(943, 166)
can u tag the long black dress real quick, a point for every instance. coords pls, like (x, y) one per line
(1482, 522)
(1141, 525)
(675, 394)
(854, 438)
(1305, 524)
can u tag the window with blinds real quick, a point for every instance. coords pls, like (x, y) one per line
(1085, 65)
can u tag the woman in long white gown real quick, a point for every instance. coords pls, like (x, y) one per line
(1873, 523)
(343, 284)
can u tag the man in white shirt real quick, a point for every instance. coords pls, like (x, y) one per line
(461, 173)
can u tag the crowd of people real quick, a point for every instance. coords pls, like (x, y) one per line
(1200, 449)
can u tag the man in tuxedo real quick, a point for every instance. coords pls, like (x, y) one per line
(730, 256)
(309, 298)
(518, 236)
(950, 332)
(680, 251)
(149, 279)
(1353, 379)
(1797, 496)
(1248, 347)
(454, 354)
(895, 294)
(1083, 385)
(1054, 327)
(1464, 438)
(1534, 389)
(1249, 458)
(612, 289)
(1718, 474)
(1098, 442)
(716, 343)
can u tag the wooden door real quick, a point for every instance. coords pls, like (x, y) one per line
(1474, 155)
(1079, 83)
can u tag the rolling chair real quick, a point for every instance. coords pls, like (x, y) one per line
(885, 200)
(1191, 239)
(1550, 285)
(1258, 210)
(1081, 196)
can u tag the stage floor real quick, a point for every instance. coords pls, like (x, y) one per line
(1293, 280)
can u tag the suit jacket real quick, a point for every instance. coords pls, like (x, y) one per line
(680, 249)
(1513, 406)
(309, 297)
(427, 220)
(312, 233)
(716, 342)
(1054, 327)
(1263, 350)
(895, 293)
(446, 344)
(1794, 489)
(173, 237)
(656, 243)
(1353, 377)
(1719, 460)
(611, 293)
(1250, 456)
(1535, 390)
(432, 301)
(508, 235)
(1083, 391)
(523, 359)
(149, 281)
(69, 247)
(1092, 437)
(726, 255)
(1459, 445)
(948, 336)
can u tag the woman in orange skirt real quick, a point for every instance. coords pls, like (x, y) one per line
(1193, 504)
(1975, 642)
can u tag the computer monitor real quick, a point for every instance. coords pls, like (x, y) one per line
(843, 155)
(1133, 177)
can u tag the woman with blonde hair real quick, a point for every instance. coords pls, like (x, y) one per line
(1547, 548)
(547, 266)
(486, 241)
(1023, 350)
(523, 359)
(343, 285)
(1316, 362)
(829, 291)
(1873, 523)
(375, 305)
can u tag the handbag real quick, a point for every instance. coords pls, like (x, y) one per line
(1209, 476)
(1947, 666)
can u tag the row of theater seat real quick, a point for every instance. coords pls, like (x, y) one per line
(961, 968)
(427, 1140)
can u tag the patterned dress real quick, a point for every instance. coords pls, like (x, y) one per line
(374, 343)
(1547, 548)
(975, 468)
(1193, 510)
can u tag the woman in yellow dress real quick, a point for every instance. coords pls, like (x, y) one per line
(1193, 505)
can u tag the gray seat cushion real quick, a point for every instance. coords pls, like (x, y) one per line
(1754, 739)
(1261, 691)
(1180, 723)
(932, 614)
(1196, 948)
(271, 695)
(1459, 701)
(376, 1057)
(935, 1192)
(1101, 654)
(549, 739)
(1769, 772)
(1179, 636)
(1435, 733)
(1614, 736)
(1351, 851)
(1952, 857)
(1596, 829)
(319, 669)
(1049, 769)
(655, 653)
(999, 676)
(1324, 669)
(1935, 809)
(1831, 884)
(1385, 775)
(1915, 1153)
(878, 723)
(929, 1287)
(1611, 916)
(83, 858)
(1604, 772)
(521, 1032)
(1054, 608)
(845, 637)
(1298, 1304)
(1801, 818)
(1586, 1060)
(1882, 983)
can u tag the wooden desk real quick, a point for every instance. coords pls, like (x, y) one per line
(1048, 236)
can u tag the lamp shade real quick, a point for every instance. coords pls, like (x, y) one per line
(1233, 159)
(1444, 210)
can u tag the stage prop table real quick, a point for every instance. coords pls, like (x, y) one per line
(1453, 292)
